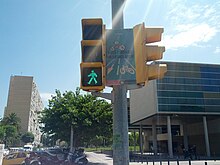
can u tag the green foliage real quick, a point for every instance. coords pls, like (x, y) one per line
(133, 138)
(27, 137)
(12, 119)
(2, 134)
(88, 116)
(10, 133)
(134, 148)
(97, 141)
(98, 149)
(9, 129)
(47, 140)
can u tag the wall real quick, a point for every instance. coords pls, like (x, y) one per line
(143, 102)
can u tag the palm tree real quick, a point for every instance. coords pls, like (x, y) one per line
(12, 119)
(11, 129)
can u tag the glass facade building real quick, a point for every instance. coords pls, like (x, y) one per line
(180, 110)
(189, 87)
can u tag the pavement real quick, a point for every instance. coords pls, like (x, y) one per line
(103, 159)
(95, 158)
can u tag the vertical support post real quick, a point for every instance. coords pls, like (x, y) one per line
(71, 139)
(120, 126)
(189, 161)
(135, 140)
(177, 161)
(170, 146)
(120, 112)
(185, 137)
(206, 136)
(154, 133)
(141, 139)
(117, 14)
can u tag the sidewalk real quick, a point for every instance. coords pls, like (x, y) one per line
(103, 159)
(196, 162)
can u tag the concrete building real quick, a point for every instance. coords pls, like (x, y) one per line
(24, 100)
(180, 111)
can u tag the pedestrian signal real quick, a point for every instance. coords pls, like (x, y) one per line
(92, 76)
(93, 51)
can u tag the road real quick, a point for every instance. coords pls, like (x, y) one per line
(103, 159)
(98, 159)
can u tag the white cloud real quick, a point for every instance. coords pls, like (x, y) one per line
(217, 50)
(209, 12)
(45, 97)
(191, 35)
(181, 13)
(191, 24)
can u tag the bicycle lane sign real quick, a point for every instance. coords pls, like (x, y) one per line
(120, 61)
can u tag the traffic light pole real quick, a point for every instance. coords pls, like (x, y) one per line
(117, 14)
(120, 126)
(120, 110)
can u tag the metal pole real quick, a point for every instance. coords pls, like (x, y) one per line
(206, 136)
(154, 133)
(170, 146)
(135, 141)
(117, 14)
(141, 139)
(120, 112)
(185, 137)
(120, 126)
(71, 139)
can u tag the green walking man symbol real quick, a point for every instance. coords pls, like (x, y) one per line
(93, 76)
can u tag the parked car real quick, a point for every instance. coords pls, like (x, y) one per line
(28, 147)
(14, 158)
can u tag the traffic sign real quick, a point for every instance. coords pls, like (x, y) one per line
(120, 62)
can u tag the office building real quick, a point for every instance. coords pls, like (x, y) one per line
(24, 100)
(180, 111)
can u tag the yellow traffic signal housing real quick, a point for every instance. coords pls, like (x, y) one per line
(146, 53)
(92, 29)
(93, 50)
(156, 71)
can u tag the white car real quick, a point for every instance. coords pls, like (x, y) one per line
(28, 147)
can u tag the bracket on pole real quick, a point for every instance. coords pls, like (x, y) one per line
(108, 96)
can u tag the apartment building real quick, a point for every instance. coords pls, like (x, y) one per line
(24, 100)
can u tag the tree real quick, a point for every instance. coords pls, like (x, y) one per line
(12, 119)
(27, 137)
(2, 134)
(87, 115)
(10, 134)
(9, 129)
(133, 139)
(47, 140)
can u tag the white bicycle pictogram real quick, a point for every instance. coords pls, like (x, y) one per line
(118, 46)
(125, 69)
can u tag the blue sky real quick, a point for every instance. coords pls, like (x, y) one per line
(41, 38)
